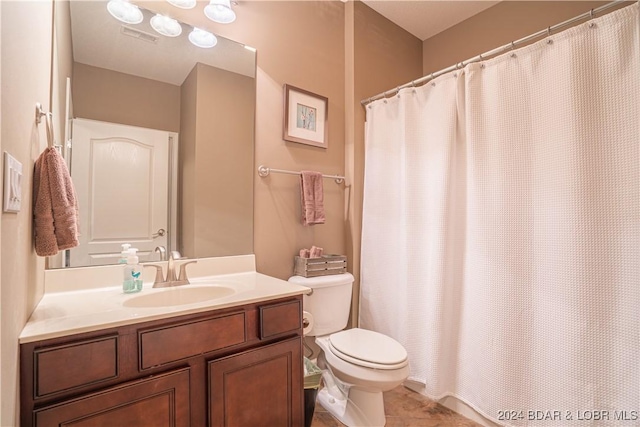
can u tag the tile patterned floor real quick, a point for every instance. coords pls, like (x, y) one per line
(405, 408)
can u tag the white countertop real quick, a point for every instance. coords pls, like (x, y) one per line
(64, 313)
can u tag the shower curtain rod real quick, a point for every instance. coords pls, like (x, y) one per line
(510, 46)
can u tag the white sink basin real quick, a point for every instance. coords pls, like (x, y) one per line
(178, 296)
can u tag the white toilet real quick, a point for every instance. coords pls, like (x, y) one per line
(363, 363)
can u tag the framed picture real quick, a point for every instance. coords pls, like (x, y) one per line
(305, 117)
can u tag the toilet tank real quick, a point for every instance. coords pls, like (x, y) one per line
(329, 303)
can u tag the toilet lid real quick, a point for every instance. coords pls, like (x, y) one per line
(368, 348)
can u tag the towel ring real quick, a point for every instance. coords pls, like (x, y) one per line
(39, 113)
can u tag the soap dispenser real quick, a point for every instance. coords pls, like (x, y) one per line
(124, 254)
(132, 273)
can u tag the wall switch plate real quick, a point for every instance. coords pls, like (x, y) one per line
(12, 183)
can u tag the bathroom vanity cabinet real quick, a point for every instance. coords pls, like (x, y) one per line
(239, 366)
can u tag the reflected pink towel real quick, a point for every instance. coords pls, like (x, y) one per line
(312, 198)
(55, 206)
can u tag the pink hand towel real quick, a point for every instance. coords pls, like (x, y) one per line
(315, 252)
(55, 206)
(304, 253)
(312, 196)
(45, 238)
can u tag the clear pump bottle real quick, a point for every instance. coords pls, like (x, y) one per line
(132, 273)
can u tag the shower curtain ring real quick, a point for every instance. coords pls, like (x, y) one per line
(433, 83)
(480, 59)
(459, 65)
(549, 35)
(592, 16)
(513, 47)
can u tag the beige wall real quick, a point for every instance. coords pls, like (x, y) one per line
(62, 66)
(187, 164)
(302, 44)
(217, 194)
(110, 96)
(25, 80)
(494, 27)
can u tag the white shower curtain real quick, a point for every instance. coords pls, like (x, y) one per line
(501, 229)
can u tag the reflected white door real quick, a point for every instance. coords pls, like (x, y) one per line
(121, 175)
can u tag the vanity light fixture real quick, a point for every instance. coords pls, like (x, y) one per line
(183, 4)
(250, 48)
(202, 38)
(166, 26)
(220, 11)
(125, 12)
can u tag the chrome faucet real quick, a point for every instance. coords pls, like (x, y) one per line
(171, 279)
(163, 252)
(171, 269)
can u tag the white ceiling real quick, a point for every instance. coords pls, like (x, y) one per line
(426, 18)
(101, 41)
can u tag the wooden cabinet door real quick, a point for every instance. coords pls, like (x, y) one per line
(261, 387)
(162, 400)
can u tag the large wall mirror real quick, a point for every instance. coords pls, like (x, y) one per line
(157, 132)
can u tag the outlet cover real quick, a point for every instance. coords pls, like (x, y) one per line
(12, 184)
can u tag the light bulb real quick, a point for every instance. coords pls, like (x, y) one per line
(183, 4)
(202, 38)
(166, 26)
(125, 12)
(220, 11)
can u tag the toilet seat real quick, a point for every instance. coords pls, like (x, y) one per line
(368, 349)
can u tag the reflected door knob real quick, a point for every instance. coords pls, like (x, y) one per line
(161, 232)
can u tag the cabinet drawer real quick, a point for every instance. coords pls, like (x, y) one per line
(176, 342)
(276, 319)
(161, 400)
(69, 366)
